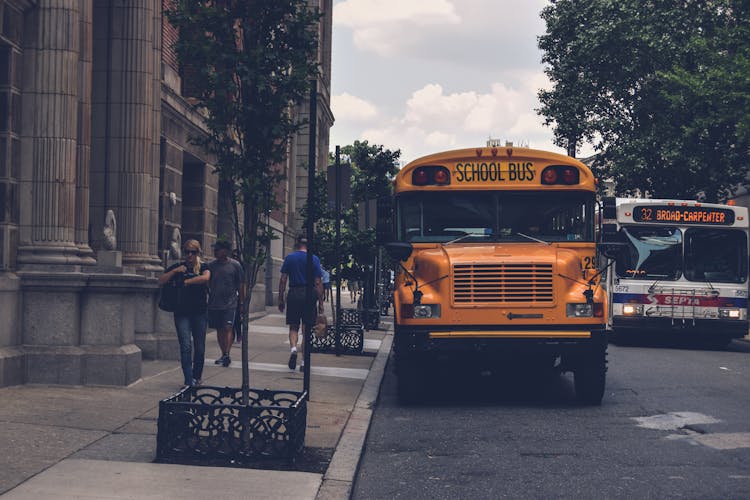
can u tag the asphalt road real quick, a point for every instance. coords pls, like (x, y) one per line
(674, 423)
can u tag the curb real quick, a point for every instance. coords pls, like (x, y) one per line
(339, 477)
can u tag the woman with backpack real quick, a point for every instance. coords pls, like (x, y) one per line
(191, 278)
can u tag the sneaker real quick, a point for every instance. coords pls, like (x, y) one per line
(302, 368)
(227, 361)
(293, 360)
(220, 360)
(197, 383)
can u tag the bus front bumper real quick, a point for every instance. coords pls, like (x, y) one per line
(554, 341)
(732, 328)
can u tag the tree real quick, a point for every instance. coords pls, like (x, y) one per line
(710, 102)
(373, 169)
(250, 61)
(618, 70)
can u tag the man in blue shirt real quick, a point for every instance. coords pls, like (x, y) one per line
(294, 270)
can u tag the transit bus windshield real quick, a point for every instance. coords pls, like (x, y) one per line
(495, 216)
(665, 253)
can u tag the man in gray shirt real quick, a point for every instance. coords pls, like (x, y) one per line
(227, 292)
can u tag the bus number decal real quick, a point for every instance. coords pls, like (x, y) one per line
(494, 172)
(589, 262)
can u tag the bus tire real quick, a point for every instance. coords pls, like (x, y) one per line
(410, 378)
(717, 342)
(590, 377)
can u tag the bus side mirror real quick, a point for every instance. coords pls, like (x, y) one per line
(611, 250)
(611, 244)
(384, 223)
(399, 250)
(609, 207)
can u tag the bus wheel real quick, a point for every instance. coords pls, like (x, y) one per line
(717, 342)
(590, 377)
(410, 378)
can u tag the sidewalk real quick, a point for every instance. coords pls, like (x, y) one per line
(100, 442)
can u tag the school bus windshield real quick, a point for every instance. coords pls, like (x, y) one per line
(495, 216)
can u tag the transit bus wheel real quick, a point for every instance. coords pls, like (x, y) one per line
(590, 375)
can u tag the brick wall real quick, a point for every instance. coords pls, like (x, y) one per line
(169, 37)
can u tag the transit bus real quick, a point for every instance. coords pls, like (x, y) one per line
(498, 263)
(682, 267)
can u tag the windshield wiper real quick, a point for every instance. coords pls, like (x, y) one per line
(467, 235)
(533, 239)
(714, 291)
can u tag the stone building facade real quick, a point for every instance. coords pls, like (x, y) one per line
(99, 184)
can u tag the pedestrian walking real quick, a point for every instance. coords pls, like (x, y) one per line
(294, 271)
(192, 276)
(238, 316)
(226, 297)
(326, 285)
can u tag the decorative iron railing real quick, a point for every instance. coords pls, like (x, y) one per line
(351, 335)
(210, 425)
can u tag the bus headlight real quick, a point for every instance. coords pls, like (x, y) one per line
(427, 311)
(420, 311)
(632, 309)
(729, 313)
(580, 310)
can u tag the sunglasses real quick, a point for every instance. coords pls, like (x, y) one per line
(191, 252)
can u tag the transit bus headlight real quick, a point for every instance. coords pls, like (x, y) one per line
(580, 310)
(632, 309)
(727, 313)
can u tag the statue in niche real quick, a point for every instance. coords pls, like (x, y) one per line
(175, 246)
(110, 231)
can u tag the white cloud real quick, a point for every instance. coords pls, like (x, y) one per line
(348, 107)
(362, 13)
(438, 74)
(434, 120)
(393, 25)
(472, 112)
(469, 31)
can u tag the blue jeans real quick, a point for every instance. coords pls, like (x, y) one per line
(191, 356)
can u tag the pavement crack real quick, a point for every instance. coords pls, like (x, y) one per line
(693, 429)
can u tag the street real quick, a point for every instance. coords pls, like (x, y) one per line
(674, 423)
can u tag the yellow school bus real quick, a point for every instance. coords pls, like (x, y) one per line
(498, 262)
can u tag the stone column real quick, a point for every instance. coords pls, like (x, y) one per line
(50, 101)
(83, 157)
(130, 155)
(156, 131)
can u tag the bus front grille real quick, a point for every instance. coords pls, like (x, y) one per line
(502, 283)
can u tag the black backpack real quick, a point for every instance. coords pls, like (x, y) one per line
(171, 294)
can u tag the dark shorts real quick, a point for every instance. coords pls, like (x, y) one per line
(295, 307)
(220, 318)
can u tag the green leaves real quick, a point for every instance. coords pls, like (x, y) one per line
(659, 87)
(373, 169)
(246, 63)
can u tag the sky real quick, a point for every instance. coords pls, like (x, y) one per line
(425, 76)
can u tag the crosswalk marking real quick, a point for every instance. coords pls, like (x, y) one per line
(324, 371)
(279, 330)
(369, 344)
